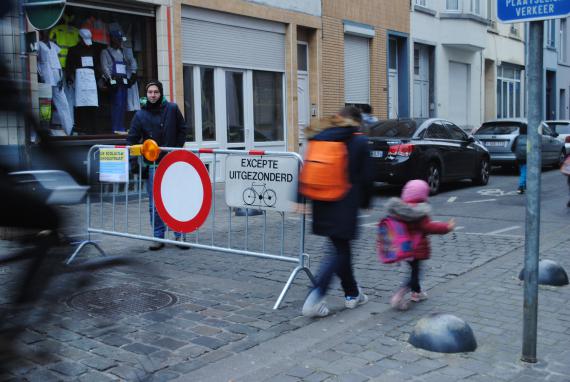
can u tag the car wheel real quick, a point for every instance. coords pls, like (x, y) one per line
(484, 169)
(433, 178)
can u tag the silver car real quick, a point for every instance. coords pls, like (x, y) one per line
(499, 138)
(562, 128)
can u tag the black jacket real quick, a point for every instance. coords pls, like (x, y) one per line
(164, 124)
(339, 219)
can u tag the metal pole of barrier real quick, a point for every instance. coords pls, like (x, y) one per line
(151, 199)
(140, 180)
(246, 227)
(127, 206)
(230, 228)
(88, 199)
(114, 203)
(282, 233)
(264, 228)
(101, 204)
(214, 199)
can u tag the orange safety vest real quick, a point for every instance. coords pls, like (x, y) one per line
(98, 28)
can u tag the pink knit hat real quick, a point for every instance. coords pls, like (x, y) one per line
(415, 191)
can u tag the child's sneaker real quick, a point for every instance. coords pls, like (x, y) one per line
(353, 302)
(315, 306)
(397, 301)
(418, 296)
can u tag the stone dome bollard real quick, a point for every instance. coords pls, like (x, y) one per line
(443, 333)
(549, 273)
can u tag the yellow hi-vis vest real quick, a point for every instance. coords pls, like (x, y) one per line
(65, 37)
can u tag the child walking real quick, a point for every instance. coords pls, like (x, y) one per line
(412, 209)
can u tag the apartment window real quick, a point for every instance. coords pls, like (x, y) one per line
(509, 96)
(268, 106)
(208, 105)
(491, 10)
(551, 33)
(452, 5)
(563, 52)
(416, 61)
(188, 78)
(423, 3)
(476, 7)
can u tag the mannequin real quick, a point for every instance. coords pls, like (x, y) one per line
(82, 62)
(50, 72)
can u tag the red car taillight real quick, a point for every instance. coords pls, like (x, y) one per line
(403, 150)
(567, 140)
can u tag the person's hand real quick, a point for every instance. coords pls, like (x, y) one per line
(451, 224)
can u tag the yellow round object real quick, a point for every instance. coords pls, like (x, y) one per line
(150, 150)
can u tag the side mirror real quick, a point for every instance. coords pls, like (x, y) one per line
(470, 139)
(555, 134)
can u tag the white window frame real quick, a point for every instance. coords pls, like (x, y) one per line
(220, 109)
(422, 3)
(476, 7)
(517, 104)
(551, 33)
(449, 5)
(563, 41)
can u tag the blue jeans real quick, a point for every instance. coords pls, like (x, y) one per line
(522, 176)
(339, 263)
(118, 108)
(159, 227)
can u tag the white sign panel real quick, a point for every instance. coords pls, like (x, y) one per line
(114, 165)
(262, 182)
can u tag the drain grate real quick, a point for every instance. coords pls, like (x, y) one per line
(121, 300)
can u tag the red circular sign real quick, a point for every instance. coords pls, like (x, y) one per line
(182, 191)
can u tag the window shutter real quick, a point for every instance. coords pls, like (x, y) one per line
(356, 69)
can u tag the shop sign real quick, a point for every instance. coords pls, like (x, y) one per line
(114, 165)
(262, 182)
(44, 14)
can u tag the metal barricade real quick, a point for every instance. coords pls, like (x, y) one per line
(125, 213)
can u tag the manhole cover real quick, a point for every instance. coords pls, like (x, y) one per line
(122, 300)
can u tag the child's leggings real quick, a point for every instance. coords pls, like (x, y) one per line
(414, 283)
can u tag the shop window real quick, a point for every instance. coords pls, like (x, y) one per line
(92, 107)
(267, 106)
(208, 106)
(189, 103)
(234, 106)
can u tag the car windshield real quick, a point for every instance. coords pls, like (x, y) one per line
(394, 128)
(500, 128)
(560, 127)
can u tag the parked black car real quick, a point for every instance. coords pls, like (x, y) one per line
(432, 149)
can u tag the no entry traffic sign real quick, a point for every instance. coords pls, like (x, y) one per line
(182, 191)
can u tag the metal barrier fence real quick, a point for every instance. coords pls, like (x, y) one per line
(123, 214)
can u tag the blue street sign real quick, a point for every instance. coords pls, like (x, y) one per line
(516, 11)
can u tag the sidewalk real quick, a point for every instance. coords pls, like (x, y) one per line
(219, 325)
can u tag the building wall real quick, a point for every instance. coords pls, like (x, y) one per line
(12, 127)
(287, 13)
(311, 7)
(459, 37)
(564, 74)
(384, 16)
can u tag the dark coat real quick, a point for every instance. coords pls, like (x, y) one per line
(164, 124)
(416, 217)
(339, 219)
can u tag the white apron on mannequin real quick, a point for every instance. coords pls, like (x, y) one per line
(85, 88)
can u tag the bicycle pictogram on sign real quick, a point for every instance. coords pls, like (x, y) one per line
(258, 194)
